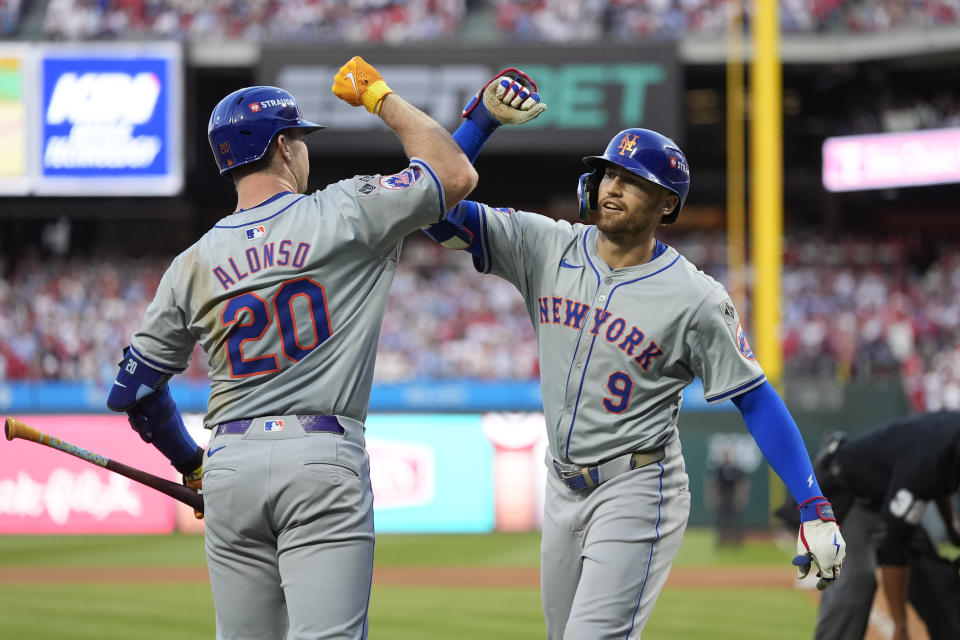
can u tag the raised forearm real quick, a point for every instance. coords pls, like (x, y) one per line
(423, 138)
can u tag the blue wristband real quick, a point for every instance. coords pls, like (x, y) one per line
(817, 508)
(475, 130)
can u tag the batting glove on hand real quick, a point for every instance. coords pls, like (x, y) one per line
(359, 83)
(819, 542)
(194, 480)
(510, 97)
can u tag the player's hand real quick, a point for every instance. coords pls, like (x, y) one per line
(819, 543)
(359, 83)
(194, 480)
(510, 97)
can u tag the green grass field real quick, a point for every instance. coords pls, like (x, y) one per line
(184, 611)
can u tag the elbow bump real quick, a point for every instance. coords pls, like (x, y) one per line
(466, 181)
(458, 183)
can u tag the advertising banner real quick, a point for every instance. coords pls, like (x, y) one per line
(108, 120)
(431, 473)
(591, 92)
(887, 160)
(47, 491)
(14, 76)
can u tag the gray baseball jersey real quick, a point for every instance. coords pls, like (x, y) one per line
(287, 299)
(617, 347)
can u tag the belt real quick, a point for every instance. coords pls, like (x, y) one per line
(580, 478)
(309, 423)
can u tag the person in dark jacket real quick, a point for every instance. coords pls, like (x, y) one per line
(880, 483)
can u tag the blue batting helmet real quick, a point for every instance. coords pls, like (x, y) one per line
(642, 152)
(243, 124)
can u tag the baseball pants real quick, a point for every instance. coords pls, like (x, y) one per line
(289, 534)
(606, 552)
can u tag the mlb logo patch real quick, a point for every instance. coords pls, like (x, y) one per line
(273, 425)
(255, 232)
(403, 180)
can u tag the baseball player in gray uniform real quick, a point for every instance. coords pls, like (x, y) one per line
(623, 324)
(286, 296)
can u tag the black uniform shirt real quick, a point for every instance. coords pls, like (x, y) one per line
(898, 467)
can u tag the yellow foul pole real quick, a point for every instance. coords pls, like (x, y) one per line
(736, 195)
(766, 187)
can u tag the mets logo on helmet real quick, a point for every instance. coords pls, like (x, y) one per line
(628, 144)
(402, 180)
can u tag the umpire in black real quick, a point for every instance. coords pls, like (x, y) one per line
(880, 483)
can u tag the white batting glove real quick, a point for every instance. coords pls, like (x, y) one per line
(510, 97)
(819, 543)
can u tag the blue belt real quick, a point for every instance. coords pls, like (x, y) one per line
(580, 478)
(309, 423)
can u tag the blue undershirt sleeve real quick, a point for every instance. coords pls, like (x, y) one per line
(777, 435)
(474, 131)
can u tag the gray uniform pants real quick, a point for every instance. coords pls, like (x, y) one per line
(606, 552)
(289, 534)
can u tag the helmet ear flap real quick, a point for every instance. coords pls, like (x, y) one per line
(587, 189)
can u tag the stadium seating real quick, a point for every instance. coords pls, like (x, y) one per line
(409, 20)
(853, 308)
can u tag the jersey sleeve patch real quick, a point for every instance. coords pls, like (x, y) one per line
(742, 345)
(365, 187)
(728, 311)
(403, 180)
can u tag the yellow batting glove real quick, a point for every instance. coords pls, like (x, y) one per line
(194, 480)
(358, 83)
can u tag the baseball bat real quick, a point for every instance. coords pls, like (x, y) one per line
(14, 428)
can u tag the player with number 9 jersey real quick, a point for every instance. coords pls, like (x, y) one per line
(623, 324)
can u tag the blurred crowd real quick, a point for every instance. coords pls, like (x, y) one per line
(852, 309)
(562, 20)
(11, 11)
(255, 20)
(407, 20)
(70, 319)
(903, 113)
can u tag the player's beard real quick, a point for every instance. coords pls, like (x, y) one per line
(625, 224)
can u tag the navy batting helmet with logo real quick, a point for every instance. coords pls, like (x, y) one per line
(645, 153)
(243, 124)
